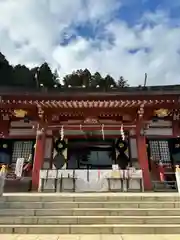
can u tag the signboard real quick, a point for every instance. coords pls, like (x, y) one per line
(115, 167)
(19, 167)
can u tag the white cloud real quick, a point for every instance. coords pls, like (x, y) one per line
(30, 32)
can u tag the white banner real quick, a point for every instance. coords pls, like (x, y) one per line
(19, 167)
(178, 177)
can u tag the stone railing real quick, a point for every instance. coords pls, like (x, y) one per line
(90, 180)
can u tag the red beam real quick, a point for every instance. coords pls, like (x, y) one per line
(94, 128)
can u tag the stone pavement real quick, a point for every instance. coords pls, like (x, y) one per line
(88, 237)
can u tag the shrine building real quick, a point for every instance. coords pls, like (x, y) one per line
(80, 129)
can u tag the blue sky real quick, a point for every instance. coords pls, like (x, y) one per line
(131, 12)
(116, 37)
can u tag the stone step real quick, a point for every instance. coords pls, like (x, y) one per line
(92, 212)
(62, 205)
(81, 220)
(91, 229)
(92, 197)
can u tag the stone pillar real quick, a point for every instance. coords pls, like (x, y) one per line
(143, 158)
(38, 158)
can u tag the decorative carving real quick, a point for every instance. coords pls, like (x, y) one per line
(141, 111)
(176, 116)
(40, 112)
(91, 120)
(20, 113)
(161, 112)
(55, 117)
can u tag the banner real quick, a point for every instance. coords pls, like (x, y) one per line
(178, 177)
(19, 167)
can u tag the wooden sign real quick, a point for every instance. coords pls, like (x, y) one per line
(19, 167)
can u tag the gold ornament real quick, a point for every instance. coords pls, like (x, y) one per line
(19, 113)
(161, 112)
(121, 145)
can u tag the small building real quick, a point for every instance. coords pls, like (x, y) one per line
(79, 128)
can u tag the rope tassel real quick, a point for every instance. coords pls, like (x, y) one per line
(102, 130)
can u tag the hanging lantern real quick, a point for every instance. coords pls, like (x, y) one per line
(5, 146)
(62, 132)
(102, 130)
(122, 132)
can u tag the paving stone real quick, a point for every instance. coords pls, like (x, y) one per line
(90, 237)
(171, 237)
(29, 237)
(72, 237)
(9, 237)
(111, 237)
(142, 237)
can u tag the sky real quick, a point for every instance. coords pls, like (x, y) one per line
(118, 37)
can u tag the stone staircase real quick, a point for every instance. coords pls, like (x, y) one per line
(95, 213)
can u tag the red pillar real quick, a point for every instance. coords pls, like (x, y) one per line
(175, 128)
(38, 159)
(143, 160)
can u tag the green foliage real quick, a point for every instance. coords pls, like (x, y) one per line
(122, 82)
(21, 76)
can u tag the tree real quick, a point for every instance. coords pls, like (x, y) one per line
(23, 77)
(73, 80)
(87, 78)
(6, 72)
(35, 74)
(122, 83)
(45, 76)
(20, 75)
(109, 82)
(78, 78)
(56, 79)
(97, 80)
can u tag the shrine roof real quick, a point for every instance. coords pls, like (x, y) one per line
(91, 93)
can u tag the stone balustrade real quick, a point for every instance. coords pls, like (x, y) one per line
(83, 180)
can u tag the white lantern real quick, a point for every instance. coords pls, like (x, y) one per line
(122, 132)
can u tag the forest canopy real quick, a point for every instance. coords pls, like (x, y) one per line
(42, 76)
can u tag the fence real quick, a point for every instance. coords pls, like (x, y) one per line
(2, 182)
(168, 185)
(90, 180)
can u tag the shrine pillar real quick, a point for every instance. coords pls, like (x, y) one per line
(38, 157)
(143, 158)
(175, 128)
